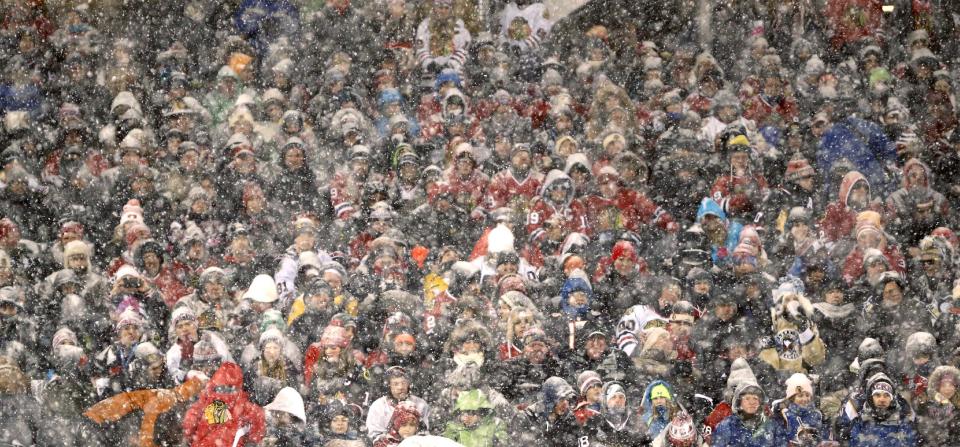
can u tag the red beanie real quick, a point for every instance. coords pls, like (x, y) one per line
(624, 248)
(798, 168)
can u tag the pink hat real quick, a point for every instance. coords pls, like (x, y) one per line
(334, 336)
(132, 211)
(129, 317)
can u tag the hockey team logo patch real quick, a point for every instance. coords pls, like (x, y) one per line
(217, 413)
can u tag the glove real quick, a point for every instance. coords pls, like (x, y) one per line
(766, 343)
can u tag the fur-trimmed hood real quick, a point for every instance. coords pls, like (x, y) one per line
(469, 330)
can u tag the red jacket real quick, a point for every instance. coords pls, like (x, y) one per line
(853, 264)
(853, 20)
(760, 109)
(473, 186)
(733, 196)
(216, 417)
(504, 186)
(636, 211)
(168, 283)
(838, 220)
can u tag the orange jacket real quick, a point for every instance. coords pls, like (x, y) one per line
(153, 403)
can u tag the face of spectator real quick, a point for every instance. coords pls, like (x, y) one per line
(186, 329)
(834, 297)
(129, 334)
(882, 400)
(77, 262)
(596, 346)
(403, 347)
(333, 278)
(409, 429)
(594, 393)
(725, 311)
(892, 294)
(294, 159)
(948, 388)
(536, 352)
(151, 263)
(272, 352)
(339, 424)
(399, 388)
(750, 403)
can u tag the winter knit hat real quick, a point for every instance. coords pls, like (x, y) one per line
(182, 313)
(64, 335)
(204, 351)
(144, 351)
(553, 390)
(614, 137)
(797, 383)
(614, 389)
(740, 372)
(797, 169)
(624, 249)
(76, 248)
(271, 335)
(660, 390)
(135, 232)
(881, 385)
(681, 430)
(587, 380)
(334, 336)
(125, 270)
(872, 255)
(129, 317)
(272, 318)
(132, 212)
(71, 227)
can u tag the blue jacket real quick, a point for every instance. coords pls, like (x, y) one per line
(894, 432)
(732, 433)
(251, 15)
(710, 206)
(864, 144)
(786, 420)
(571, 285)
(656, 419)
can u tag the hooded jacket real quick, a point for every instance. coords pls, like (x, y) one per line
(655, 419)
(875, 428)
(734, 432)
(489, 431)
(720, 254)
(218, 416)
(571, 210)
(938, 421)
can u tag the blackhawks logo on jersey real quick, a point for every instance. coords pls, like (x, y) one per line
(217, 413)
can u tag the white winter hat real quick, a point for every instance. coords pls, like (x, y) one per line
(271, 334)
(499, 240)
(288, 400)
(797, 383)
(262, 290)
(125, 270)
(740, 372)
